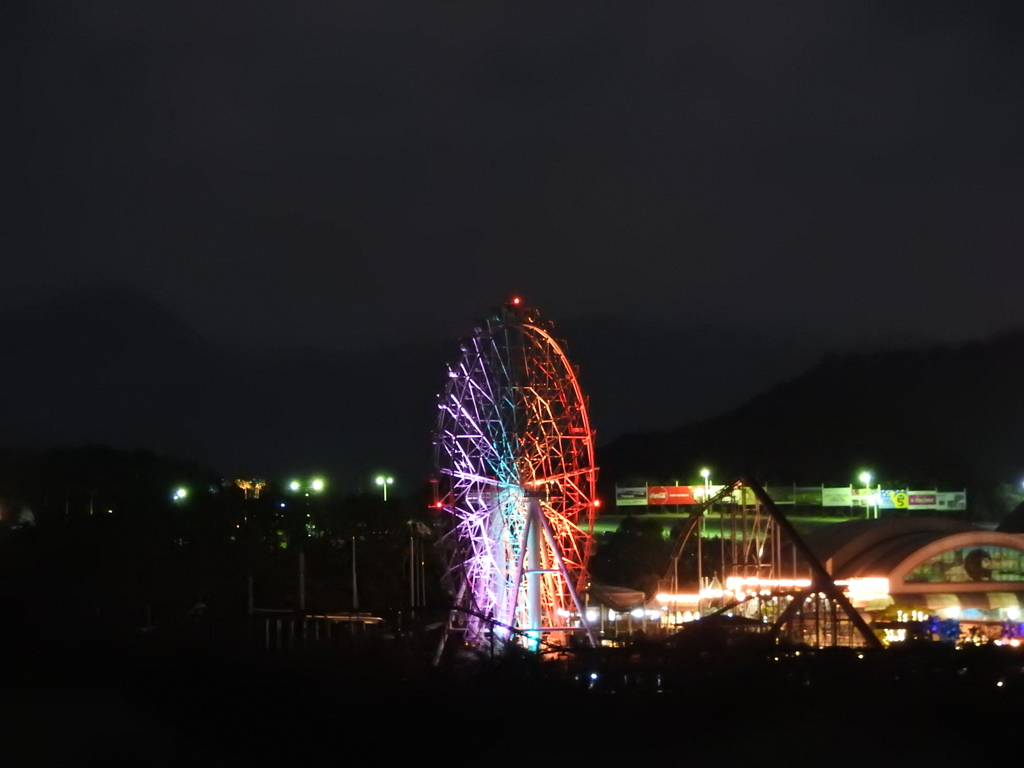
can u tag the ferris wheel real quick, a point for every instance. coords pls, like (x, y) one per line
(515, 470)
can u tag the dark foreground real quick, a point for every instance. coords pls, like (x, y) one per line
(145, 703)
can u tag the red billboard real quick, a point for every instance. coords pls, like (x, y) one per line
(671, 494)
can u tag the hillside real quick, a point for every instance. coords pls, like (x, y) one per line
(111, 367)
(108, 365)
(948, 416)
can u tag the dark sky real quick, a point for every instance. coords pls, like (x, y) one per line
(331, 173)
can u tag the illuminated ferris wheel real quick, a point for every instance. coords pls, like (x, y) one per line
(515, 466)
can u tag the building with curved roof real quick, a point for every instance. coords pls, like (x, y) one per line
(942, 567)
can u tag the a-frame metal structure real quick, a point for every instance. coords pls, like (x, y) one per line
(773, 574)
(539, 567)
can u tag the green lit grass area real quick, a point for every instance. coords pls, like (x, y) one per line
(712, 522)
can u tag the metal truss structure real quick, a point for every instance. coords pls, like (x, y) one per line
(514, 457)
(766, 572)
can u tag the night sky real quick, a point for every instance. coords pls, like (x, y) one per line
(341, 173)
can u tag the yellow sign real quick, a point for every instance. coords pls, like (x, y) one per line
(900, 500)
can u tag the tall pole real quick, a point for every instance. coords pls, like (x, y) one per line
(384, 481)
(700, 556)
(865, 477)
(412, 572)
(706, 474)
(534, 575)
(316, 485)
(355, 586)
(421, 578)
(302, 579)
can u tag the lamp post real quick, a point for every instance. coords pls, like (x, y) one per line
(865, 477)
(315, 485)
(706, 474)
(384, 481)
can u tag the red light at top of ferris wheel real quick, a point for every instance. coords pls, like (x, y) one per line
(516, 301)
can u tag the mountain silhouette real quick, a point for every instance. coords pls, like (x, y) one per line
(946, 416)
(108, 365)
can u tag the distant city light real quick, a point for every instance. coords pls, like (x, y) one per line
(317, 485)
(294, 485)
(180, 494)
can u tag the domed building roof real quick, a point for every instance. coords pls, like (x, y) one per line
(941, 565)
(865, 548)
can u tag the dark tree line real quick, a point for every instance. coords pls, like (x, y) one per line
(95, 537)
(637, 555)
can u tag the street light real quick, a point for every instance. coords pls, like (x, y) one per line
(706, 474)
(180, 494)
(316, 485)
(865, 477)
(384, 481)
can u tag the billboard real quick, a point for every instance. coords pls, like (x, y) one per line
(951, 501)
(837, 497)
(843, 496)
(896, 499)
(809, 496)
(921, 499)
(631, 496)
(673, 494)
(781, 494)
(668, 495)
(864, 497)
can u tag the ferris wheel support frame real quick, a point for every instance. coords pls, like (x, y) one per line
(537, 523)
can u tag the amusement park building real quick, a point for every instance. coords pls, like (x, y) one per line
(941, 567)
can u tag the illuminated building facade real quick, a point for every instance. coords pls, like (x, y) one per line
(935, 568)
